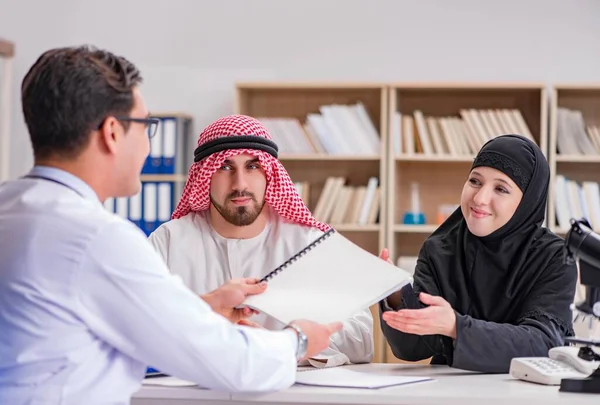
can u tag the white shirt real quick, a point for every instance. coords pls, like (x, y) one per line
(86, 304)
(205, 260)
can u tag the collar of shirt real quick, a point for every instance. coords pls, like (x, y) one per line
(65, 178)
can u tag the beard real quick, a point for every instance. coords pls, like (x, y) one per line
(239, 216)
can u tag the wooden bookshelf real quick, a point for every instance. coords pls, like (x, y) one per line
(297, 100)
(462, 116)
(500, 108)
(7, 52)
(570, 157)
(355, 161)
(441, 174)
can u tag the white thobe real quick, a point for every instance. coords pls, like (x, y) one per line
(205, 260)
(86, 304)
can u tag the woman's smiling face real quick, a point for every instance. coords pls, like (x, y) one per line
(488, 201)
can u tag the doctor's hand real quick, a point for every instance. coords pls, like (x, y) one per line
(224, 299)
(437, 319)
(245, 322)
(317, 335)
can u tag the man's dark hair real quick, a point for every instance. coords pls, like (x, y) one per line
(68, 93)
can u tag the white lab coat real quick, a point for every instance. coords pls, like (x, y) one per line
(86, 304)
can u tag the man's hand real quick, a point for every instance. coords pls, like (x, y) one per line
(317, 335)
(224, 299)
(385, 255)
(395, 299)
(437, 319)
(245, 322)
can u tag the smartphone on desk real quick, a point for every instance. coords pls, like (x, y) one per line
(562, 362)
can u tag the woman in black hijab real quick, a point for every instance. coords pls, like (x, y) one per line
(490, 283)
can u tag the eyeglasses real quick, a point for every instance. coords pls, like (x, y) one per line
(151, 123)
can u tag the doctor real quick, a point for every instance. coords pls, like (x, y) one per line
(85, 301)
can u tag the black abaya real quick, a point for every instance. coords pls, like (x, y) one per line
(511, 290)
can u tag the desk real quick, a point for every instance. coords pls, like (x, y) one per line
(452, 387)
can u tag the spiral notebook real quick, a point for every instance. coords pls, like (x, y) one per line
(329, 280)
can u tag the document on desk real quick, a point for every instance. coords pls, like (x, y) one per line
(168, 382)
(342, 377)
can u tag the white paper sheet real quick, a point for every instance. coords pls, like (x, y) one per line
(346, 378)
(331, 281)
(168, 382)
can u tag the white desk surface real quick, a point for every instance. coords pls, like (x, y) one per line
(451, 387)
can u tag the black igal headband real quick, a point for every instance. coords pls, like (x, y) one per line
(235, 142)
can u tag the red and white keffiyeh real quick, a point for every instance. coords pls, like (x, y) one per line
(281, 194)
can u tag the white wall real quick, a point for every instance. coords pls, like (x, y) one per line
(192, 51)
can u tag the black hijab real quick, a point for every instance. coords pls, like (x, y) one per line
(491, 277)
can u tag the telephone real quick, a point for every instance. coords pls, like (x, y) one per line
(564, 362)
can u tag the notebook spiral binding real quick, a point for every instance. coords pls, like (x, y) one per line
(298, 255)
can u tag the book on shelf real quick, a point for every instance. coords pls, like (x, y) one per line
(149, 208)
(574, 136)
(576, 200)
(345, 204)
(168, 153)
(334, 130)
(462, 135)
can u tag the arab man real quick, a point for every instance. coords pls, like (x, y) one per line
(241, 216)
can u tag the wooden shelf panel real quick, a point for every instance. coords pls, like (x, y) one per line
(408, 244)
(169, 114)
(356, 227)
(433, 158)
(426, 228)
(578, 171)
(440, 182)
(367, 240)
(316, 85)
(577, 159)
(472, 86)
(320, 156)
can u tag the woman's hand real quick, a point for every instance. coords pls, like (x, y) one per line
(437, 319)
